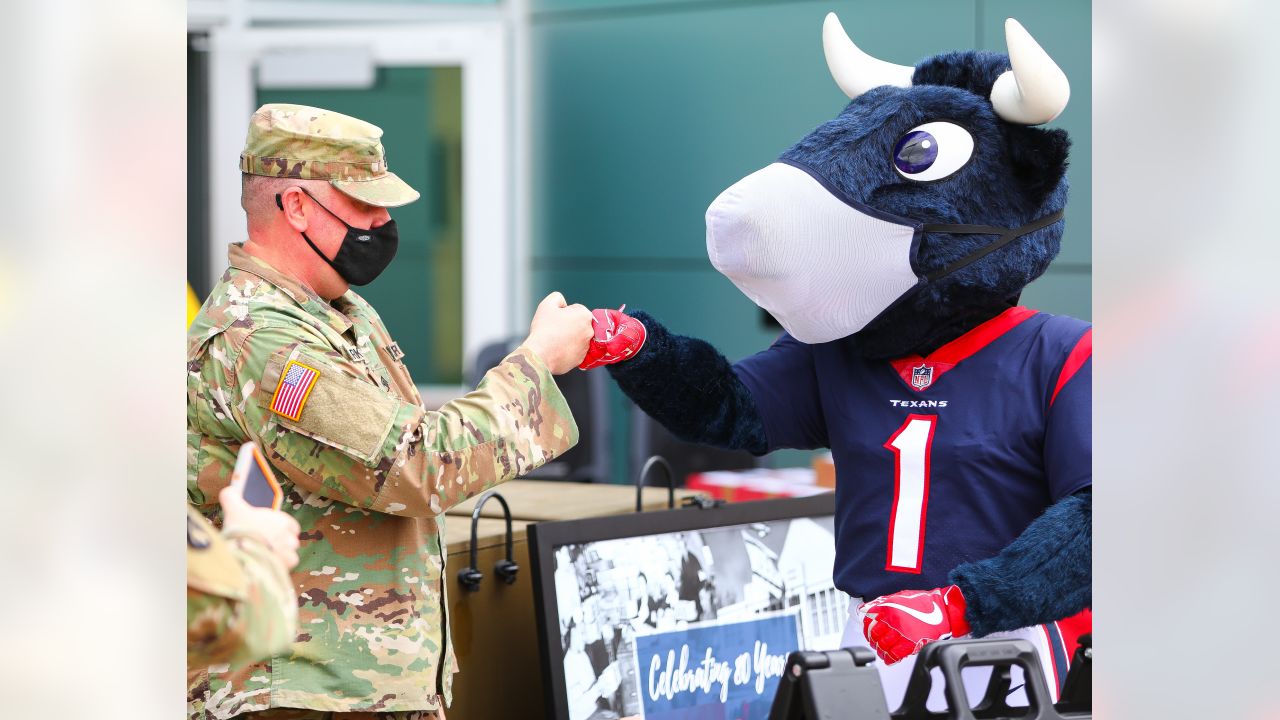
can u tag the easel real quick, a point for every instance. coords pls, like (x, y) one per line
(843, 685)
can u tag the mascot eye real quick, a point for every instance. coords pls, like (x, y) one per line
(932, 151)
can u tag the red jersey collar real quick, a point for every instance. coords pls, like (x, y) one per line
(920, 373)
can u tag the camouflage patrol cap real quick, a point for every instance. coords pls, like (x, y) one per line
(309, 143)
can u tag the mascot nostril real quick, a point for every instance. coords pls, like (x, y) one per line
(892, 243)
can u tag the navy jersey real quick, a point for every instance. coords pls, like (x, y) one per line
(940, 460)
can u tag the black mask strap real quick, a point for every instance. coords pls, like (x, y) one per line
(317, 251)
(350, 227)
(353, 228)
(1007, 235)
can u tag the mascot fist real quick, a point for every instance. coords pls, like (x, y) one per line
(898, 625)
(618, 337)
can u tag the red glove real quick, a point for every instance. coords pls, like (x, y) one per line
(898, 625)
(618, 337)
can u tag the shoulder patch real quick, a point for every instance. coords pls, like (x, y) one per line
(293, 390)
(341, 410)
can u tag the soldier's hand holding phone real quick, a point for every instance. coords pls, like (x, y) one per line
(275, 529)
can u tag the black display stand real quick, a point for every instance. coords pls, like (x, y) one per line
(836, 685)
(843, 685)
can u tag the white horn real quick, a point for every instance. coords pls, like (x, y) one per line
(855, 71)
(1035, 91)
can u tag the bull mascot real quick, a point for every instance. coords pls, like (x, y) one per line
(892, 243)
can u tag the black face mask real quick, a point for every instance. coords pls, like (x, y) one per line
(363, 254)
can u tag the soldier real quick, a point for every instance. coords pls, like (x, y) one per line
(283, 353)
(240, 603)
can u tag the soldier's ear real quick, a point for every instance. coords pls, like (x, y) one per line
(292, 202)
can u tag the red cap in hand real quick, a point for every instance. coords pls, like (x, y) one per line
(618, 337)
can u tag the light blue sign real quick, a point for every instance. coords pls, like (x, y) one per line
(722, 671)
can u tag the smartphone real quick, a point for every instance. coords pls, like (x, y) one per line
(253, 476)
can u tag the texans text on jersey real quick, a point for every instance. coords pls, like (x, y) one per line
(919, 403)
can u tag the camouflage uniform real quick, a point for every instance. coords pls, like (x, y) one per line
(367, 472)
(240, 603)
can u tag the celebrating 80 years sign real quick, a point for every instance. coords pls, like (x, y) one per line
(715, 671)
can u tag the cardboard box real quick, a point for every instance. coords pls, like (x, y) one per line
(824, 469)
(493, 628)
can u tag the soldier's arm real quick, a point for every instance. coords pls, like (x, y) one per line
(240, 605)
(347, 438)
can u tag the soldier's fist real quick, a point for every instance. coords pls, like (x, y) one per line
(559, 333)
(898, 625)
(618, 337)
(277, 530)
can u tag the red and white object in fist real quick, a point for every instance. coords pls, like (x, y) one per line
(898, 625)
(618, 337)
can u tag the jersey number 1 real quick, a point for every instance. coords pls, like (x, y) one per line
(911, 445)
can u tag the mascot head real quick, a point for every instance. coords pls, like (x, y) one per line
(929, 201)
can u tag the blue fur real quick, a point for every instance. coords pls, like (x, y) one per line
(1044, 575)
(1016, 175)
(688, 386)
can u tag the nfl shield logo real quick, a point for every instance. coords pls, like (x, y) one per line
(921, 377)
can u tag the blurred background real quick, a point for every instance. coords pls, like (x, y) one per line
(1185, 299)
(574, 145)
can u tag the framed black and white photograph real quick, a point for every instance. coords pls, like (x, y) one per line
(684, 613)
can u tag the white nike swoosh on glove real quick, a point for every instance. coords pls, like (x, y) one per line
(932, 618)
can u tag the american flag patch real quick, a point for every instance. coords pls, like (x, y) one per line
(295, 385)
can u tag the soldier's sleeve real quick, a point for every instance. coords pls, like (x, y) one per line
(240, 605)
(330, 429)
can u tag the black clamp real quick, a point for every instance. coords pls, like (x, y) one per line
(471, 576)
(1001, 655)
(658, 461)
(703, 502)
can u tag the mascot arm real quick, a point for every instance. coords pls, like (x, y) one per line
(693, 391)
(1045, 574)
